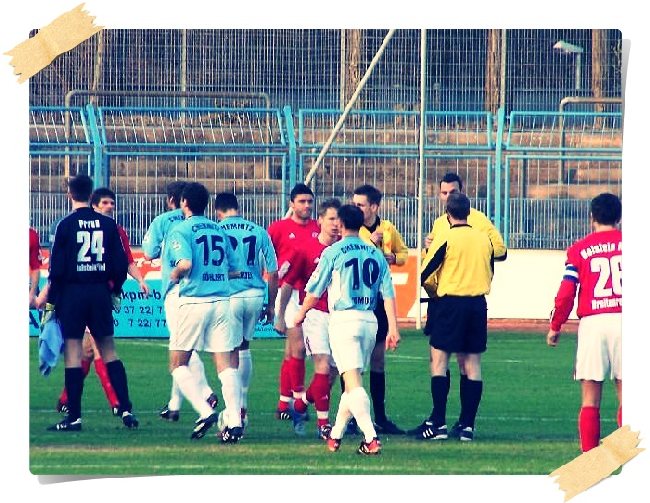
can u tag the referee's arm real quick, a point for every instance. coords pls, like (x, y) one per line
(434, 263)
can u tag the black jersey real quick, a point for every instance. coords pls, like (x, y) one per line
(87, 250)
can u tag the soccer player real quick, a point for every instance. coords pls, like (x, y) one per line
(153, 247)
(382, 234)
(458, 271)
(315, 326)
(354, 274)
(253, 244)
(35, 261)
(102, 200)
(203, 261)
(451, 183)
(288, 234)
(594, 270)
(88, 265)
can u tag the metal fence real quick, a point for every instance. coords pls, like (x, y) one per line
(468, 69)
(531, 120)
(533, 173)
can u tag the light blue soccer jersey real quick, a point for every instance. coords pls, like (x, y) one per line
(253, 245)
(353, 273)
(207, 246)
(153, 244)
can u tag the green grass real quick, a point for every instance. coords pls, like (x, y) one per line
(526, 423)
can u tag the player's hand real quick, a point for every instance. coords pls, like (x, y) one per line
(116, 300)
(428, 239)
(300, 317)
(46, 314)
(390, 258)
(144, 288)
(267, 315)
(40, 300)
(392, 340)
(552, 337)
(280, 326)
(377, 237)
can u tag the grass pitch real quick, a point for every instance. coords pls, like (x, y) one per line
(526, 422)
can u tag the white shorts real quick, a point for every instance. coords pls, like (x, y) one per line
(599, 347)
(315, 333)
(291, 310)
(203, 325)
(171, 312)
(352, 337)
(245, 309)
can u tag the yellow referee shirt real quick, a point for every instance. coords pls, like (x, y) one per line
(478, 221)
(459, 263)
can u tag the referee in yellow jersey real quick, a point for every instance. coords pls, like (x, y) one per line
(457, 271)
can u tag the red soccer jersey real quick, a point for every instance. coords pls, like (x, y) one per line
(303, 264)
(34, 250)
(125, 244)
(593, 263)
(286, 234)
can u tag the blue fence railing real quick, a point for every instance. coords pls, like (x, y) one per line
(508, 163)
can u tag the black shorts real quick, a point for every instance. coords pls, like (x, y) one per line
(459, 324)
(85, 305)
(382, 321)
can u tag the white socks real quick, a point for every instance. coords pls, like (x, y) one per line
(188, 386)
(231, 391)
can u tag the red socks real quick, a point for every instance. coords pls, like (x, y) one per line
(619, 417)
(297, 371)
(285, 385)
(589, 428)
(319, 390)
(102, 373)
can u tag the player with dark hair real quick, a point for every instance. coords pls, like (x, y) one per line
(88, 265)
(382, 234)
(451, 183)
(102, 200)
(253, 244)
(353, 273)
(153, 247)
(594, 270)
(287, 234)
(315, 327)
(457, 270)
(203, 263)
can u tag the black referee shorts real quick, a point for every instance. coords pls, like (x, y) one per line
(85, 305)
(459, 324)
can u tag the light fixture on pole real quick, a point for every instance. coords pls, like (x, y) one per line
(568, 48)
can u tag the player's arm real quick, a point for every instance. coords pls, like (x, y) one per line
(272, 285)
(180, 256)
(285, 294)
(152, 241)
(271, 266)
(119, 257)
(34, 265)
(310, 301)
(317, 285)
(563, 303)
(132, 268)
